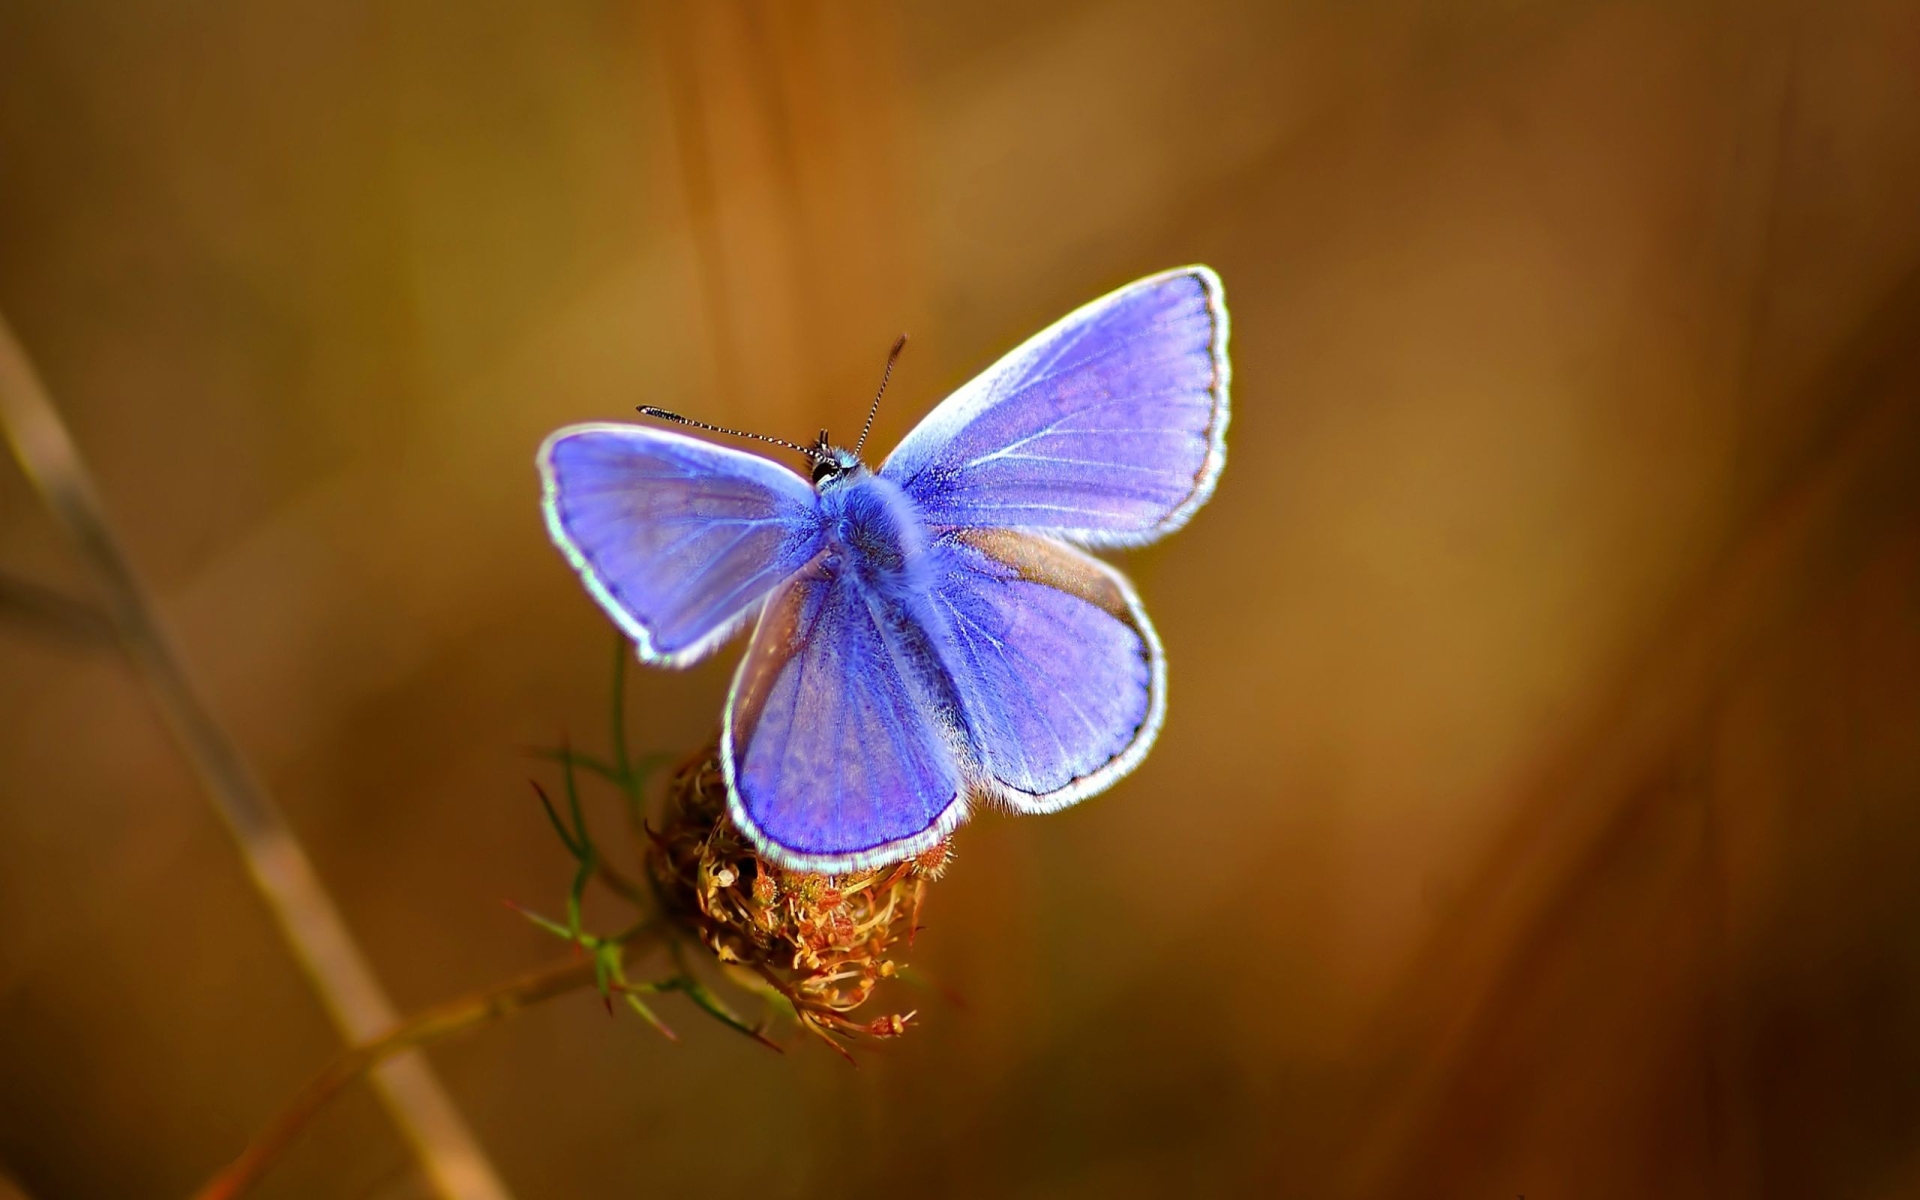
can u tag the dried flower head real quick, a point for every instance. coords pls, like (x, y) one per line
(821, 942)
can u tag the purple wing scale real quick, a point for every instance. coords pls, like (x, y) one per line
(1061, 672)
(678, 540)
(1108, 429)
(842, 745)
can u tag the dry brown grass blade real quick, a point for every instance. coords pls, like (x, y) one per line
(279, 867)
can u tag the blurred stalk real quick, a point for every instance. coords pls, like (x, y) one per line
(456, 1016)
(787, 157)
(313, 926)
(53, 612)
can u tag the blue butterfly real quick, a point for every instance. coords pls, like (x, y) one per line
(928, 633)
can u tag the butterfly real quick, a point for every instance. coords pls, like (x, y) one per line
(931, 634)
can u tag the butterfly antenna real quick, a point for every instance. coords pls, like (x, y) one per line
(893, 356)
(648, 410)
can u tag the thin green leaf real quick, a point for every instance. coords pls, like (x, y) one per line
(650, 1017)
(633, 791)
(715, 1007)
(566, 839)
(749, 980)
(581, 836)
(574, 894)
(585, 762)
(621, 761)
(551, 926)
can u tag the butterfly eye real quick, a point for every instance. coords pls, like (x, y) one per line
(824, 469)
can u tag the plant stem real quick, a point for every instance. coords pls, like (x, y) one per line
(455, 1016)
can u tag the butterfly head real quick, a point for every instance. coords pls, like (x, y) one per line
(832, 464)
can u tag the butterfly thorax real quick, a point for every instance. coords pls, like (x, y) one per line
(872, 530)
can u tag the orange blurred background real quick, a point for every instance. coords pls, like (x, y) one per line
(1536, 812)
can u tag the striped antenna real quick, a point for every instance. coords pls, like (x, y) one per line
(648, 410)
(893, 356)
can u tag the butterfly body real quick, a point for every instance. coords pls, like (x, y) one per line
(927, 634)
(874, 531)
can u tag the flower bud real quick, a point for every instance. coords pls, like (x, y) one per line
(821, 941)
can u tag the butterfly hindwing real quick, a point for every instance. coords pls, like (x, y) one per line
(1108, 429)
(677, 539)
(1061, 672)
(843, 733)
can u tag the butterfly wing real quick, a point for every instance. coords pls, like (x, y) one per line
(677, 539)
(1108, 429)
(1061, 673)
(842, 737)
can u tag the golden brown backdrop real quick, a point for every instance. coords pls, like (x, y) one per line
(1537, 812)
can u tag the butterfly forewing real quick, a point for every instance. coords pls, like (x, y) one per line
(677, 539)
(1107, 429)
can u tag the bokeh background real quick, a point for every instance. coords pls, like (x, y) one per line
(1537, 811)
